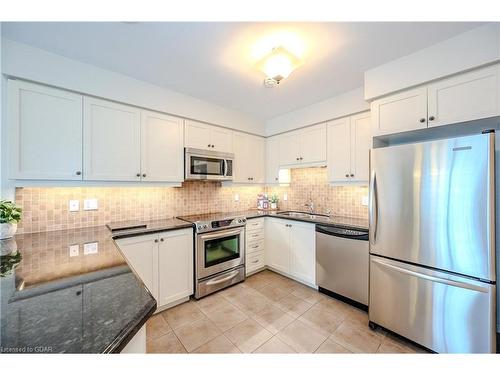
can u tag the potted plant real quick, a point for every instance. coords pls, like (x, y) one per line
(10, 215)
(274, 202)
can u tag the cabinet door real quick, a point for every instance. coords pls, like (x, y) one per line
(361, 143)
(45, 132)
(289, 149)
(400, 112)
(141, 253)
(221, 139)
(313, 144)
(197, 135)
(162, 149)
(241, 168)
(111, 141)
(256, 159)
(303, 252)
(175, 266)
(272, 160)
(465, 97)
(339, 150)
(277, 244)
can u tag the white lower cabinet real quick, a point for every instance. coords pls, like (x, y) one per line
(291, 248)
(254, 249)
(164, 262)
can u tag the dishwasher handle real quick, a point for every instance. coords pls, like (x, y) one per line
(353, 234)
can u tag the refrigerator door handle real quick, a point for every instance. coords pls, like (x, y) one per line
(373, 210)
(458, 284)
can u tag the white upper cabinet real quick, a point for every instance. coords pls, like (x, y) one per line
(305, 146)
(111, 141)
(249, 158)
(45, 132)
(361, 143)
(339, 149)
(349, 143)
(272, 160)
(465, 97)
(207, 137)
(400, 112)
(162, 151)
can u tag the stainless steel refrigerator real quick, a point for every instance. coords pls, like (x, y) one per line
(432, 243)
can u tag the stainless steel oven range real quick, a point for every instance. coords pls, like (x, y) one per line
(219, 251)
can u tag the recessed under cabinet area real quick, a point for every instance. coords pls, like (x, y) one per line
(263, 187)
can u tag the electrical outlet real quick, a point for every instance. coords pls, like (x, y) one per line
(90, 248)
(90, 204)
(74, 250)
(364, 200)
(74, 205)
(236, 197)
(285, 197)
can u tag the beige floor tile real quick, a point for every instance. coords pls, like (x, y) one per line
(197, 333)
(285, 283)
(335, 307)
(308, 294)
(356, 339)
(273, 319)
(251, 303)
(301, 337)
(182, 314)
(248, 335)
(257, 281)
(321, 319)
(234, 291)
(212, 302)
(156, 326)
(330, 346)
(167, 343)
(274, 345)
(219, 345)
(393, 344)
(293, 305)
(227, 316)
(274, 293)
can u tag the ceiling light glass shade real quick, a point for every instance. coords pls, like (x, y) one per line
(279, 64)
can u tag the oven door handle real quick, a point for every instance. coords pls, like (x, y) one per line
(220, 234)
(224, 279)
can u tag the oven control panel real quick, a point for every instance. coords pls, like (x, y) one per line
(207, 226)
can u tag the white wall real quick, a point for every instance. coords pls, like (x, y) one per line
(465, 51)
(24, 61)
(335, 107)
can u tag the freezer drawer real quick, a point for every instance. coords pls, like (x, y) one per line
(443, 312)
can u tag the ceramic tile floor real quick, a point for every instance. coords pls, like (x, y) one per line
(268, 313)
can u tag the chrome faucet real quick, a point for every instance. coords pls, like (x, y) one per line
(310, 205)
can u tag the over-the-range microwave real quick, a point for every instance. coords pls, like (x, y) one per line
(208, 165)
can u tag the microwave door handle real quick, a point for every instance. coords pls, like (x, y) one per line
(225, 168)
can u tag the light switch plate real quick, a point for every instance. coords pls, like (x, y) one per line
(236, 197)
(90, 204)
(74, 250)
(74, 205)
(364, 200)
(90, 248)
(285, 197)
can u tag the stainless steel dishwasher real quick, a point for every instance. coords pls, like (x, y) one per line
(342, 258)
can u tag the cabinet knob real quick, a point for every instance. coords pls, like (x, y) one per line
(298, 158)
(209, 145)
(352, 174)
(213, 146)
(422, 120)
(156, 240)
(78, 173)
(162, 239)
(138, 175)
(144, 175)
(432, 118)
(276, 178)
(347, 174)
(301, 158)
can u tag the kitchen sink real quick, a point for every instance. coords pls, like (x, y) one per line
(303, 215)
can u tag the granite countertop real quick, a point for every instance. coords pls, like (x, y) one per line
(72, 291)
(338, 221)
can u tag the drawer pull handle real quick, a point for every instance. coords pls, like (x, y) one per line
(255, 261)
(255, 246)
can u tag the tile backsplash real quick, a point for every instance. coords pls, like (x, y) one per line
(46, 209)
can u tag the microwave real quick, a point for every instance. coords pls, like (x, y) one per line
(208, 165)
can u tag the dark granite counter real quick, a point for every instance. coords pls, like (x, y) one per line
(338, 221)
(72, 291)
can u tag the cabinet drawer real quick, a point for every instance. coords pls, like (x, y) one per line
(255, 224)
(255, 261)
(255, 236)
(254, 247)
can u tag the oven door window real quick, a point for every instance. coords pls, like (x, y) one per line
(201, 165)
(221, 250)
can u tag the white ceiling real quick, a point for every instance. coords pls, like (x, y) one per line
(216, 61)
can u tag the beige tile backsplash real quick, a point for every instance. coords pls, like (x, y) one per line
(46, 209)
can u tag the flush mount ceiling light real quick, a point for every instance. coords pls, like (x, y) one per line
(277, 65)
